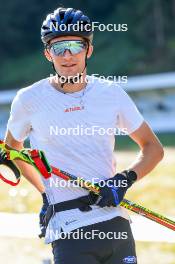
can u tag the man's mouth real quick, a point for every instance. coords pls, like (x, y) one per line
(68, 65)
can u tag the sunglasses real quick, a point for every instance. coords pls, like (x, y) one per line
(74, 46)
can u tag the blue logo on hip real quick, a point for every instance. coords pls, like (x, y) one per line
(130, 259)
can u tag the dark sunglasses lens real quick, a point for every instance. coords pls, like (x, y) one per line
(74, 47)
(77, 47)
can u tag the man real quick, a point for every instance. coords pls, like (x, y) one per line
(70, 100)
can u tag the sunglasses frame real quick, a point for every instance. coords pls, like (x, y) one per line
(84, 42)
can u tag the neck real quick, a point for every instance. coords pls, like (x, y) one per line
(69, 87)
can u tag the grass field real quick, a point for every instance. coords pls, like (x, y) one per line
(156, 191)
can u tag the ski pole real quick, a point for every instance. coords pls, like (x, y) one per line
(37, 159)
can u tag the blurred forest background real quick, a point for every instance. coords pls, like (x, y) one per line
(147, 47)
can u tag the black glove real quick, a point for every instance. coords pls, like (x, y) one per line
(42, 215)
(115, 188)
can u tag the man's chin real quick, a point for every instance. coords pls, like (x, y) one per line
(70, 75)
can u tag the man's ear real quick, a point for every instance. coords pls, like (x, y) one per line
(90, 51)
(47, 55)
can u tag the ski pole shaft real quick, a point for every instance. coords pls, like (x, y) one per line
(134, 207)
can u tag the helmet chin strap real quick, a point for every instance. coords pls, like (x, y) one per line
(74, 79)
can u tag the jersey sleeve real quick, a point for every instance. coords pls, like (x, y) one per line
(129, 118)
(19, 123)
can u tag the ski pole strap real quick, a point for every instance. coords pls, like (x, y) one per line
(9, 156)
(41, 163)
(7, 164)
(34, 157)
(16, 172)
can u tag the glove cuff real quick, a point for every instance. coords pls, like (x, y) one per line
(130, 175)
(125, 179)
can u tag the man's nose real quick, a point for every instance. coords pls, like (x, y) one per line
(67, 54)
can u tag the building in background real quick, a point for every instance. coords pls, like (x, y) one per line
(154, 96)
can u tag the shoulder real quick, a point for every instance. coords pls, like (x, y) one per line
(107, 87)
(29, 95)
(34, 89)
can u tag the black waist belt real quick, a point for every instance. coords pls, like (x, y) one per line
(82, 203)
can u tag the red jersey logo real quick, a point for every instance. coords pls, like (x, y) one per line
(75, 108)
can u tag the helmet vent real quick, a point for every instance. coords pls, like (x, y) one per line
(61, 14)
